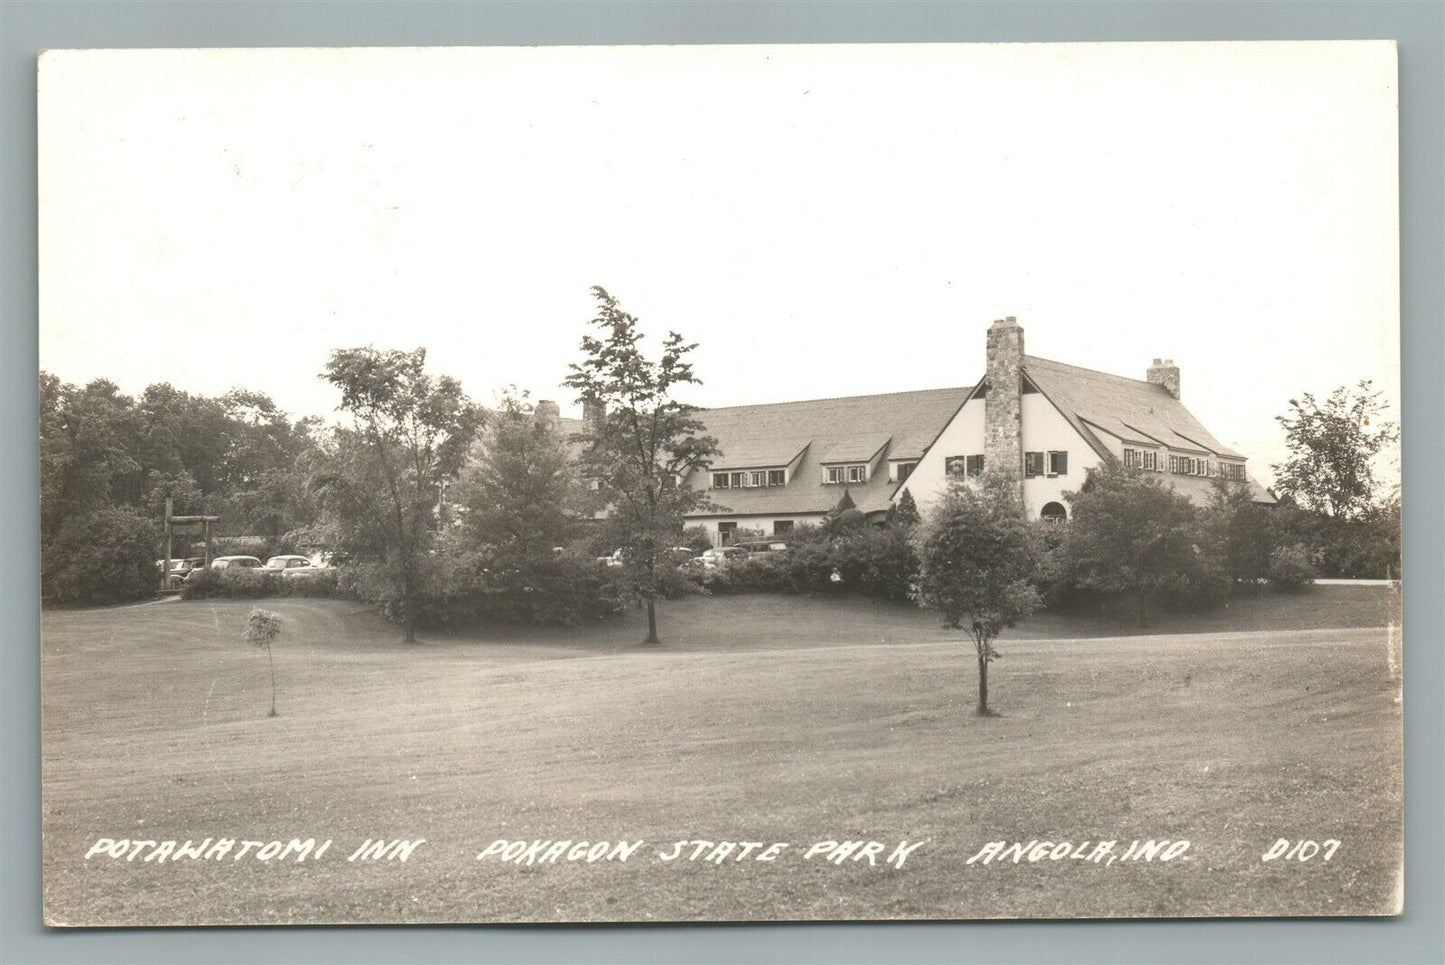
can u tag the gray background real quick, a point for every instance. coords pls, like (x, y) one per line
(26, 27)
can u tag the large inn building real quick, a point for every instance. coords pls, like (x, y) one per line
(1039, 422)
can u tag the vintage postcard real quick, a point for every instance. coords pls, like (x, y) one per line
(720, 483)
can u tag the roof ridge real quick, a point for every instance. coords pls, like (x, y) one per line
(834, 398)
(1080, 368)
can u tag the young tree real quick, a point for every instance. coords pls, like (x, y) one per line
(262, 629)
(515, 501)
(1333, 445)
(1131, 537)
(904, 513)
(414, 430)
(977, 559)
(642, 446)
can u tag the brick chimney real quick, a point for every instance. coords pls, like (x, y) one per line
(547, 412)
(1164, 372)
(1003, 441)
(594, 414)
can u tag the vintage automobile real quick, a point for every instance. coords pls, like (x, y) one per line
(224, 563)
(289, 565)
(763, 546)
(719, 555)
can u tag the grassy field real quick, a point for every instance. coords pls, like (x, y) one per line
(762, 719)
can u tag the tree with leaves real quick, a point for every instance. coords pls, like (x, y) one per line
(516, 501)
(1333, 447)
(1241, 529)
(978, 557)
(641, 448)
(411, 434)
(904, 513)
(1135, 539)
(262, 629)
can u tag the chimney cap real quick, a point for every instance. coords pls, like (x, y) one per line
(1158, 361)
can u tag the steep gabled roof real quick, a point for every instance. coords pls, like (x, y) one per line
(896, 425)
(1130, 409)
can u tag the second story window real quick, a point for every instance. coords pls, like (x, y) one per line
(1151, 459)
(970, 466)
(847, 474)
(1058, 463)
(902, 470)
(1033, 464)
(749, 479)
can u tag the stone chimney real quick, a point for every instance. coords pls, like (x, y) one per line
(547, 412)
(1003, 440)
(594, 414)
(1164, 372)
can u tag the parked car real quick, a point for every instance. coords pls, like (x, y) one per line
(763, 546)
(180, 569)
(719, 555)
(289, 563)
(224, 563)
(241, 562)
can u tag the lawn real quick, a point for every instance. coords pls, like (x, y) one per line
(762, 719)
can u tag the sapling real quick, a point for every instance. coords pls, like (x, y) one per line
(263, 627)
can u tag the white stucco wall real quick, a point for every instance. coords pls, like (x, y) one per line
(764, 523)
(1044, 430)
(963, 435)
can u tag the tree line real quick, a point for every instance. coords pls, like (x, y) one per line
(451, 513)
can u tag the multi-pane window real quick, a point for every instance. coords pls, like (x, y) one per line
(848, 474)
(1151, 459)
(1188, 466)
(963, 465)
(1033, 464)
(749, 479)
(1133, 459)
(1232, 470)
(902, 470)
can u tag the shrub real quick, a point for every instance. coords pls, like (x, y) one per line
(868, 560)
(234, 582)
(465, 588)
(319, 582)
(106, 557)
(1136, 542)
(696, 538)
(1289, 569)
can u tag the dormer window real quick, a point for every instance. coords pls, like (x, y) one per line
(902, 470)
(857, 473)
(750, 479)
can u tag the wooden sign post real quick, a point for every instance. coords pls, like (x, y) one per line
(185, 526)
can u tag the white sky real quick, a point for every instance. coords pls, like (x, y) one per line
(824, 220)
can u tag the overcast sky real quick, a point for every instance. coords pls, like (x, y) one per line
(823, 220)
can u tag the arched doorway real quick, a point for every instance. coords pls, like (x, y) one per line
(1054, 513)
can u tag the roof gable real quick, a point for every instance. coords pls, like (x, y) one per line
(1129, 409)
(853, 429)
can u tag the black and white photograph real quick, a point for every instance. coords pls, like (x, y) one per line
(720, 483)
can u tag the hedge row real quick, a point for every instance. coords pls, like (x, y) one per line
(239, 583)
